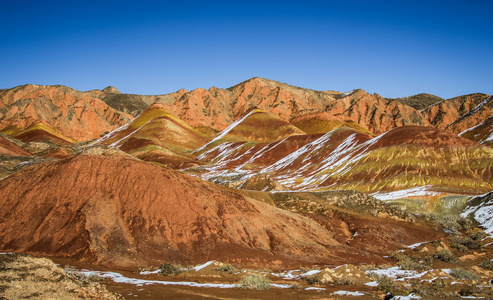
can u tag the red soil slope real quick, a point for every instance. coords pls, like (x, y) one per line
(9, 148)
(422, 136)
(126, 213)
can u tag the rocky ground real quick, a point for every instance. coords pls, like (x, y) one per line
(29, 277)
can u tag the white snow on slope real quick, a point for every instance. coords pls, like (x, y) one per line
(488, 139)
(198, 268)
(411, 192)
(306, 150)
(113, 133)
(483, 212)
(413, 246)
(227, 130)
(338, 162)
(479, 106)
(334, 162)
(469, 129)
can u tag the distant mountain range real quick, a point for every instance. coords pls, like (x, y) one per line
(85, 115)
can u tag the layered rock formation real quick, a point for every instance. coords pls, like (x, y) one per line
(403, 158)
(70, 112)
(458, 114)
(8, 147)
(86, 115)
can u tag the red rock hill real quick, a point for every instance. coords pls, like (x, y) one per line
(121, 212)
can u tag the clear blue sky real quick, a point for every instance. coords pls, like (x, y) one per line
(394, 48)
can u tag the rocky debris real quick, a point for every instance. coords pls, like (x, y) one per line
(229, 179)
(10, 164)
(257, 182)
(352, 200)
(103, 151)
(28, 277)
(362, 202)
(345, 274)
(262, 182)
(41, 148)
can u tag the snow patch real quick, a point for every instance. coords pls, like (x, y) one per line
(394, 272)
(408, 297)
(346, 293)
(23, 163)
(479, 106)
(413, 246)
(110, 134)
(287, 275)
(150, 272)
(412, 192)
(372, 284)
(469, 129)
(483, 212)
(490, 138)
(119, 278)
(198, 268)
(310, 273)
(347, 93)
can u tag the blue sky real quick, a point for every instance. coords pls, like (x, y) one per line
(393, 48)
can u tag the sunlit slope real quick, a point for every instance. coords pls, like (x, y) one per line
(460, 113)
(295, 153)
(255, 126)
(403, 158)
(38, 131)
(156, 135)
(72, 113)
(247, 157)
(323, 122)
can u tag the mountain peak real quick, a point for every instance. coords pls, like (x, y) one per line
(111, 90)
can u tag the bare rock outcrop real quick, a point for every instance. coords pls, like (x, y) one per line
(72, 113)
